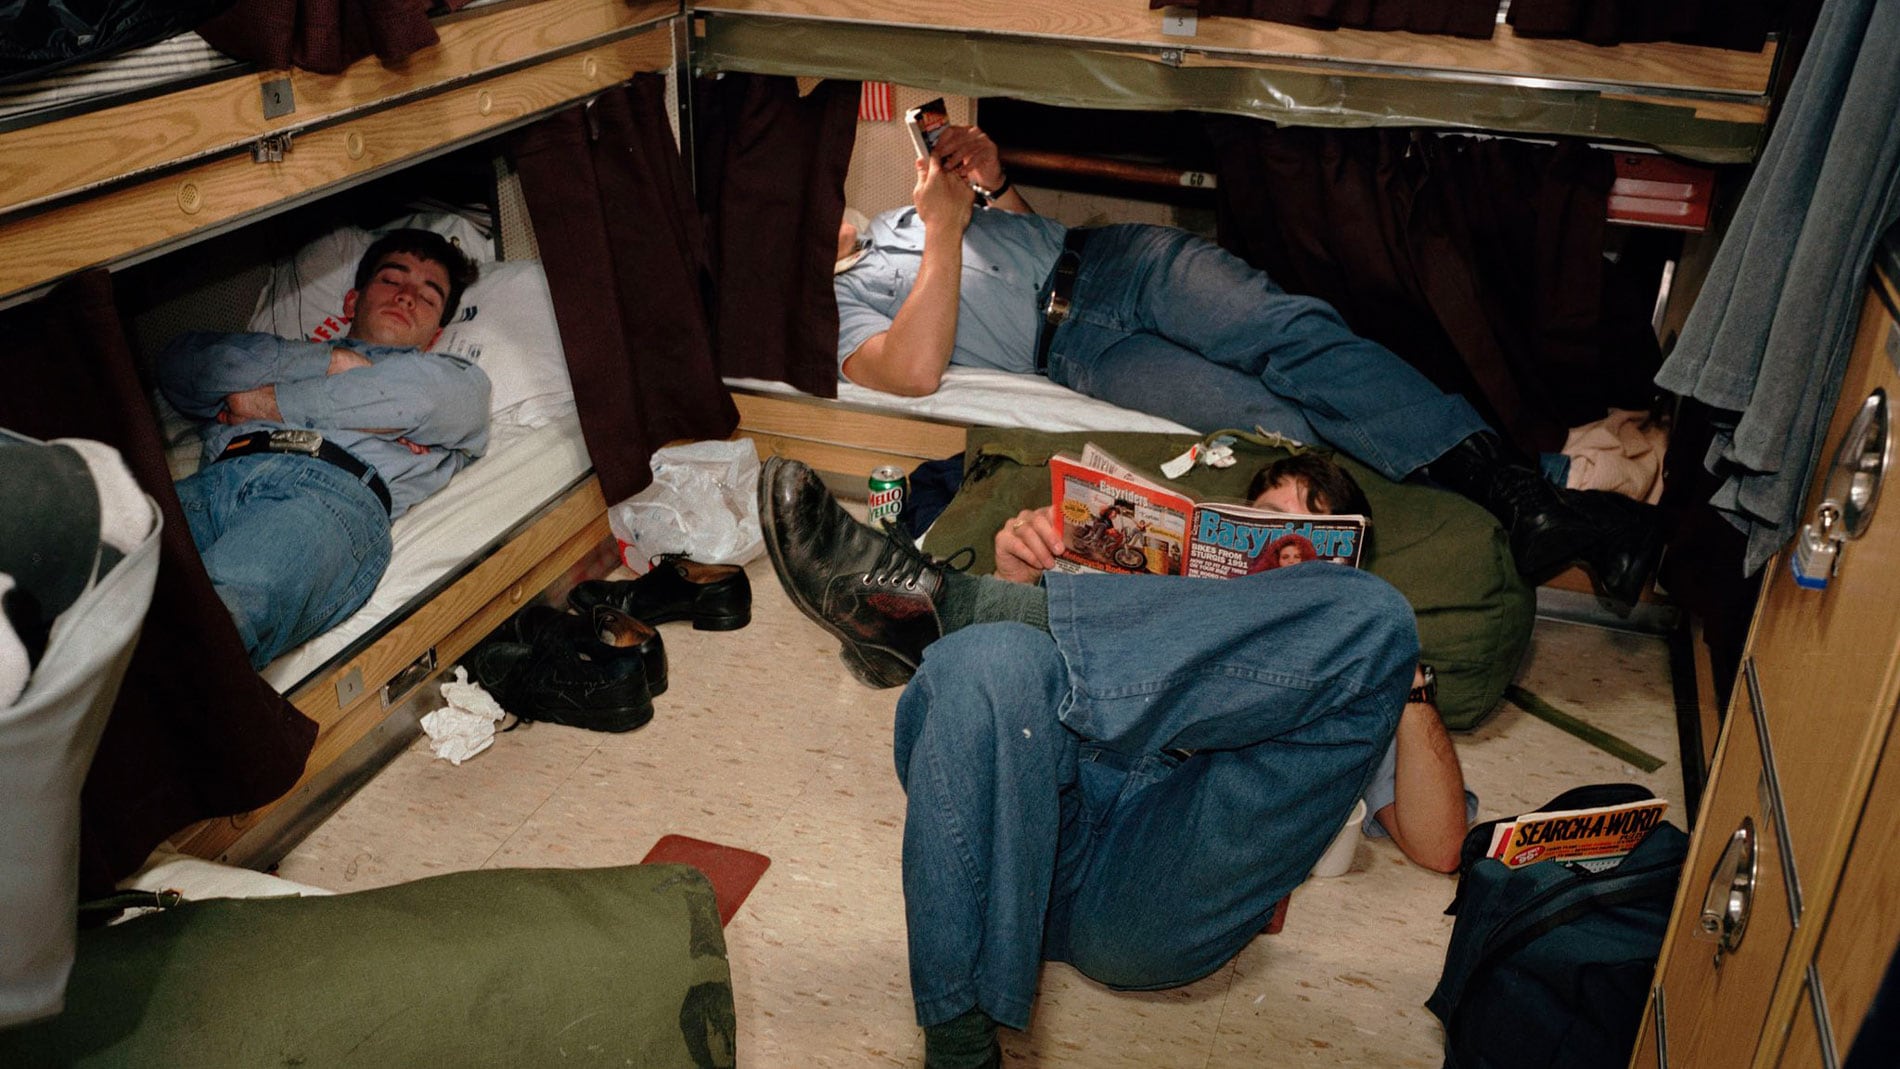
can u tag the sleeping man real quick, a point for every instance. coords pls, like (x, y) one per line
(312, 448)
(1158, 320)
(1121, 772)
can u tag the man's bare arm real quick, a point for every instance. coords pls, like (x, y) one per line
(1427, 815)
(909, 359)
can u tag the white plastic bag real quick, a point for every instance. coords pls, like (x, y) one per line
(703, 503)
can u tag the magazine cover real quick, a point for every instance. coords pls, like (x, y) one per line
(1109, 523)
(926, 123)
(1114, 519)
(1593, 838)
(1230, 540)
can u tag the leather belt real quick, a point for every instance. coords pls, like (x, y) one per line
(310, 444)
(1056, 307)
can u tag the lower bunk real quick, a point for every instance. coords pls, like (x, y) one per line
(526, 518)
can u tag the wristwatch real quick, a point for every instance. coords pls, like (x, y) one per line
(1427, 691)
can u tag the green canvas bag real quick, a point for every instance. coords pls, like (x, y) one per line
(506, 968)
(1447, 555)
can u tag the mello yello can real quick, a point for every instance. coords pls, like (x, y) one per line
(888, 487)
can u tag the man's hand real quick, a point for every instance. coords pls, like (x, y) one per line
(969, 154)
(258, 404)
(1027, 545)
(342, 360)
(944, 203)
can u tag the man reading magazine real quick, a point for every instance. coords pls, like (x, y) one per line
(1120, 772)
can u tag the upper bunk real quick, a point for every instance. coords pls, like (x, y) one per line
(134, 178)
(1702, 103)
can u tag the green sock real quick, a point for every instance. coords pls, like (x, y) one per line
(964, 1042)
(982, 599)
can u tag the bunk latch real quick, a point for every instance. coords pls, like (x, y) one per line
(409, 678)
(271, 148)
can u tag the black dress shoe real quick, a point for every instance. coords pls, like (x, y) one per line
(716, 597)
(1547, 533)
(872, 589)
(544, 664)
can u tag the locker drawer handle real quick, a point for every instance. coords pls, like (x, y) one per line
(1731, 893)
(1848, 499)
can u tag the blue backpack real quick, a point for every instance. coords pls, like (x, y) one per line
(1549, 966)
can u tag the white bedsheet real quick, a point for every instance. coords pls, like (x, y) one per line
(523, 470)
(994, 399)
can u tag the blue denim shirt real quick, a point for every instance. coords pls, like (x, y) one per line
(1006, 258)
(432, 399)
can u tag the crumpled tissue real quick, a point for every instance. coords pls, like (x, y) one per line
(467, 726)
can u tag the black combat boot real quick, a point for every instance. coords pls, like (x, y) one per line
(1547, 533)
(1628, 546)
(872, 589)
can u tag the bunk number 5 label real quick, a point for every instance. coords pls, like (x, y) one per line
(1179, 21)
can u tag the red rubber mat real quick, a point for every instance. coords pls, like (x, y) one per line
(733, 872)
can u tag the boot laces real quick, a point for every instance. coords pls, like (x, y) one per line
(901, 564)
(1520, 493)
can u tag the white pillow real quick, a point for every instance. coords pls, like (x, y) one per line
(505, 323)
(304, 297)
(506, 327)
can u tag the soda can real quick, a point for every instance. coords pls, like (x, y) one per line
(888, 487)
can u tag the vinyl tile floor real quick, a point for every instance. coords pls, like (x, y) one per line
(765, 742)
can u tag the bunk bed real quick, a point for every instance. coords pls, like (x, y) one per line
(133, 176)
(1701, 103)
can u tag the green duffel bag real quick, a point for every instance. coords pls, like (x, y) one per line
(506, 968)
(1447, 556)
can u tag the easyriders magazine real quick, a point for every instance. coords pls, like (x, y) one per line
(1113, 519)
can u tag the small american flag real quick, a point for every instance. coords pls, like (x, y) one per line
(874, 102)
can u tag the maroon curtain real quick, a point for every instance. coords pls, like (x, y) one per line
(1478, 261)
(323, 35)
(771, 181)
(1740, 24)
(619, 238)
(1459, 18)
(195, 733)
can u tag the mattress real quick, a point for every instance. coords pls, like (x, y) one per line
(95, 83)
(524, 469)
(983, 397)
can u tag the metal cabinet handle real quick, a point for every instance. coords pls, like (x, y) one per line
(1849, 496)
(1731, 892)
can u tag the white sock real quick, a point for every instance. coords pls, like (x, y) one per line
(14, 669)
(124, 516)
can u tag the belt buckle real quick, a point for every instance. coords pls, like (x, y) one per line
(1056, 309)
(309, 443)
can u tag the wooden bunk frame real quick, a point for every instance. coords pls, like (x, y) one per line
(121, 184)
(126, 183)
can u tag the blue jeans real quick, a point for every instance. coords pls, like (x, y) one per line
(1167, 323)
(293, 545)
(1052, 812)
